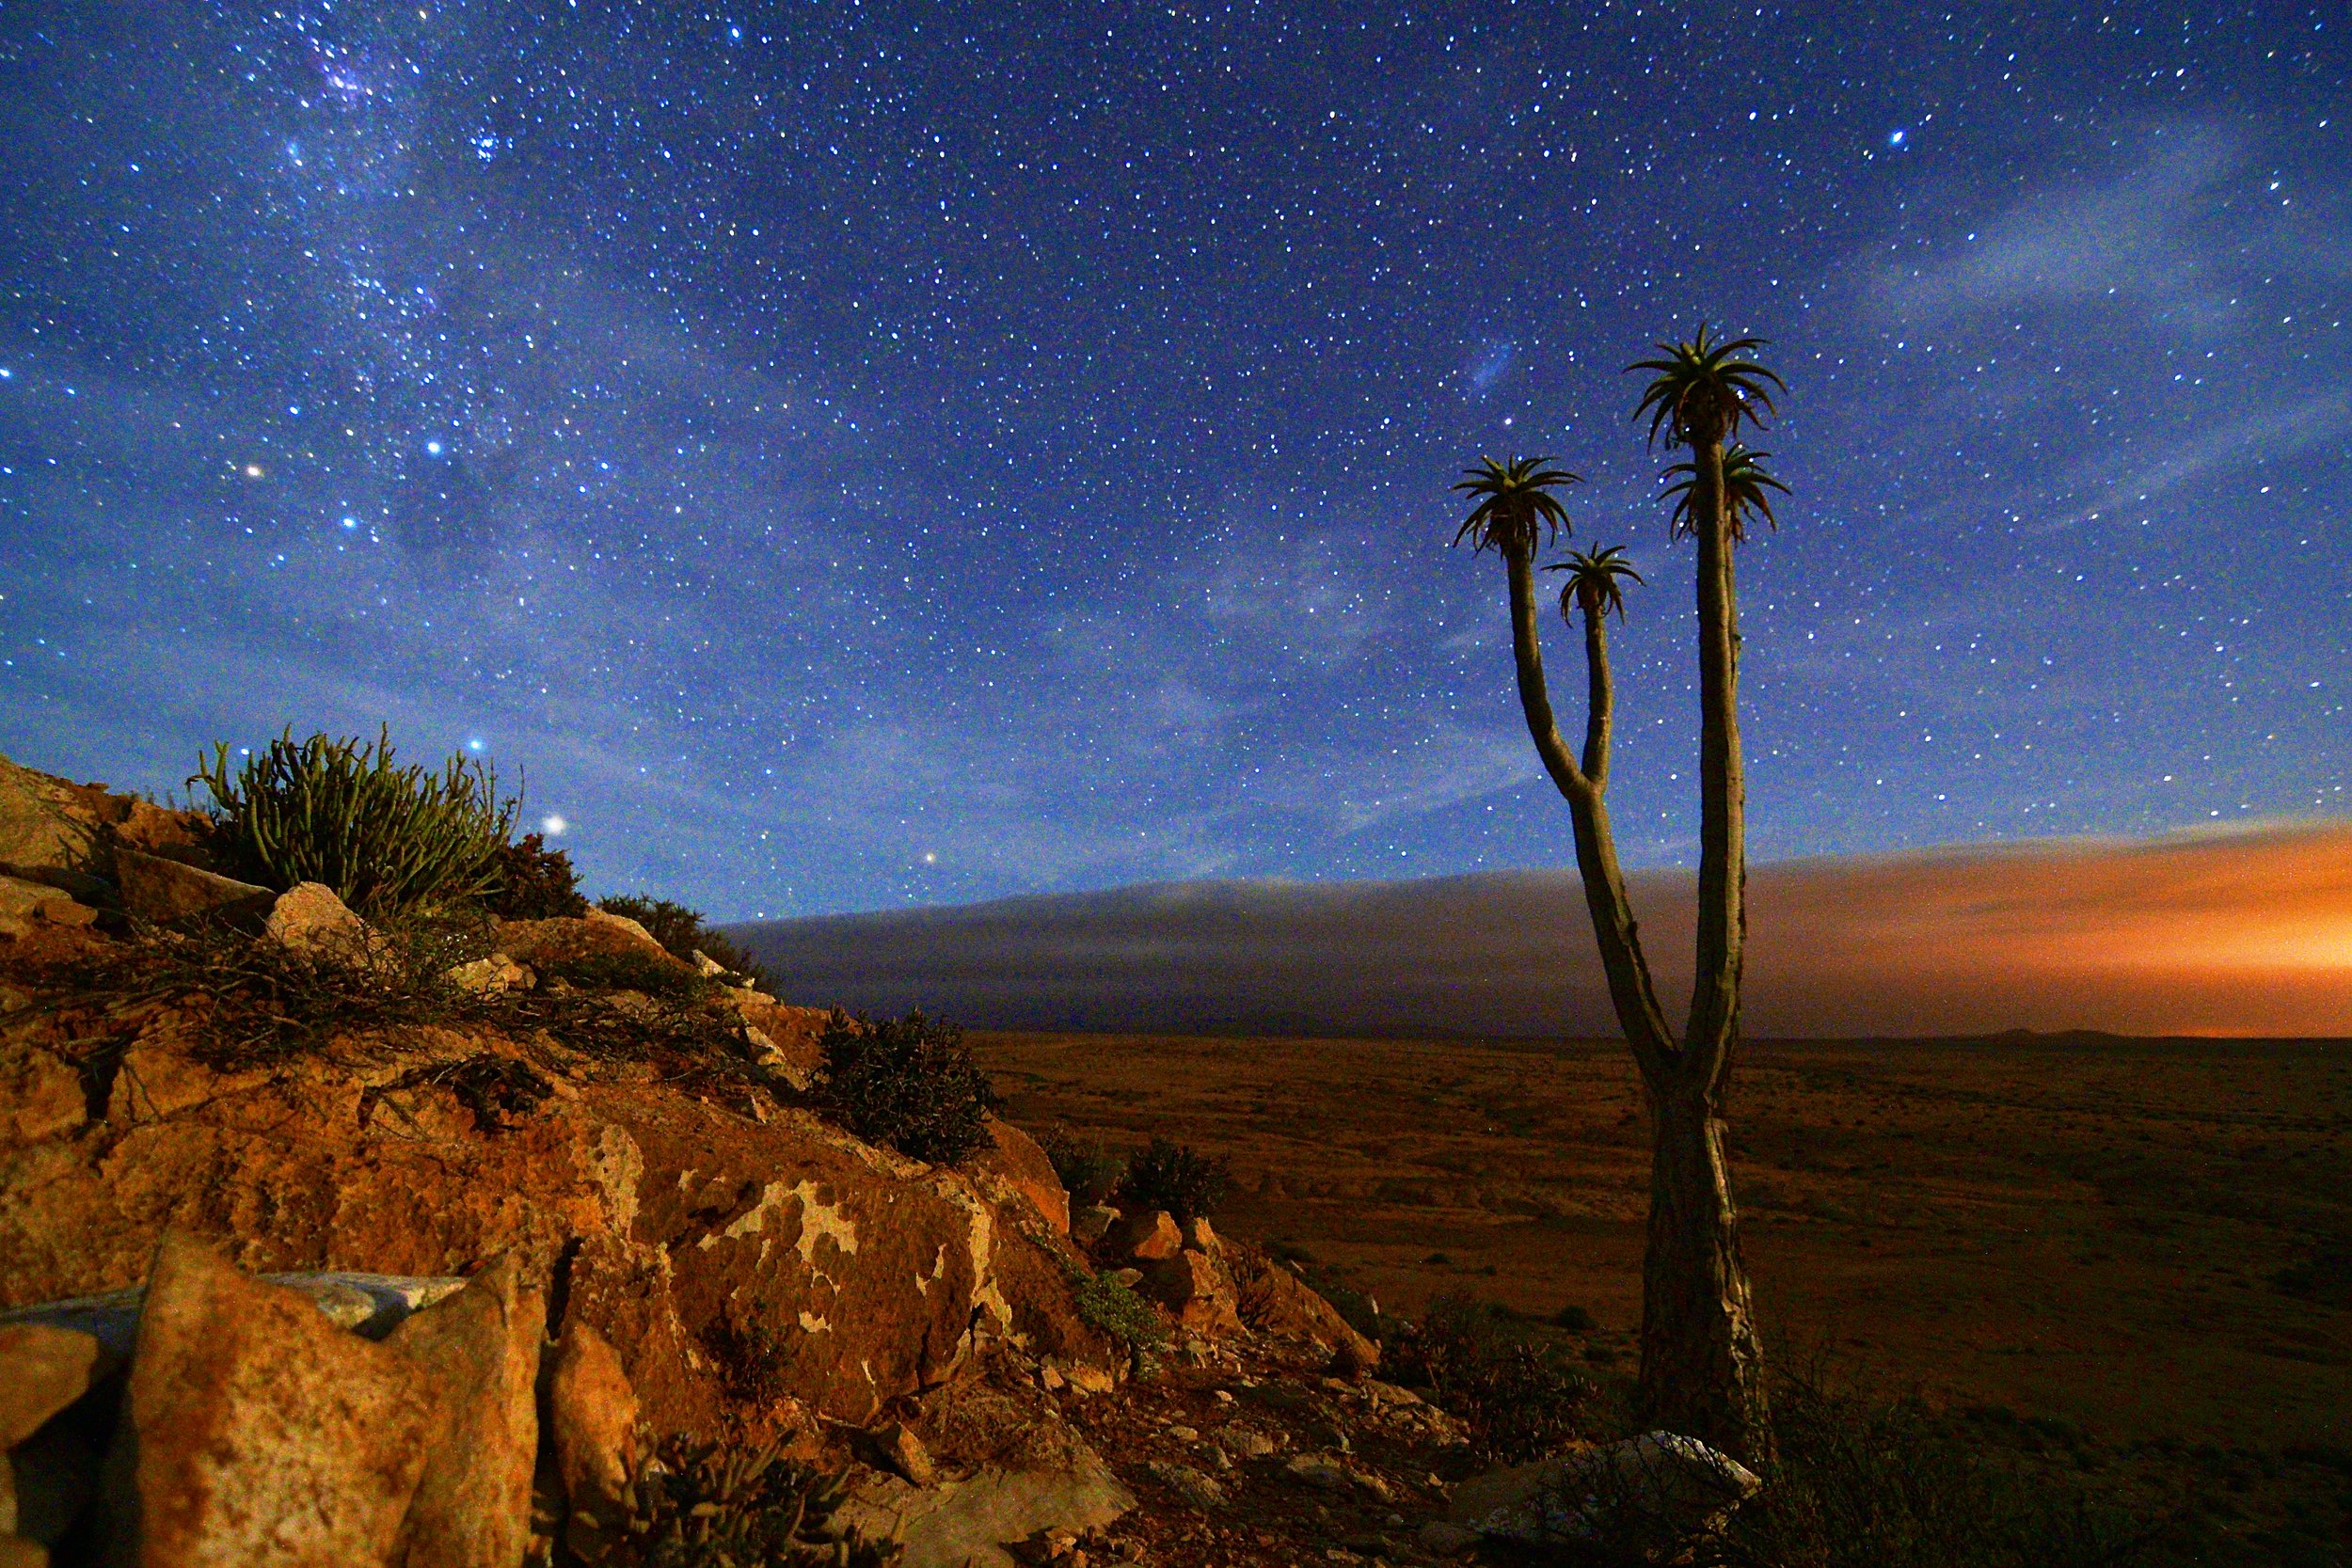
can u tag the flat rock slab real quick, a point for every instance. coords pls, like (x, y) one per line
(370, 1304)
(961, 1523)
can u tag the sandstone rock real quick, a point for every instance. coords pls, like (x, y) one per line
(43, 1369)
(16, 1552)
(158, 1080)
(492, 976)
(153, 888)
(564, 942)
(905, 1453)
(792, 1033)
(1275, 1301)
(1323, 1471)
(478, 1352)
(1092, 1223)
(1145, 1238)
(50, 829)
(1015, 1160)
(707, 966)
(968, 1524)
(1189, 1483)
(1196, 1288)
(1091, 1379)
(1200, 1237)
(153, 830)
(26, 904)
(257, 1432)
(592, 1416)
(310, 919)
(1650, 1495)
(621, 923)
(1246, 1442)
(41, 1097)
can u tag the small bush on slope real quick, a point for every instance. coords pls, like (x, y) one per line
(338, 811)
(535, 882)
(1519, 1397)
(1105, 1302)
(1177, 1178)
(1089, 1172)
(909, 1082)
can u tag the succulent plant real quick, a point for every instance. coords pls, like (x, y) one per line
(707, 1506)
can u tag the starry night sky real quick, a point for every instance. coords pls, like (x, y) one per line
(852, 455)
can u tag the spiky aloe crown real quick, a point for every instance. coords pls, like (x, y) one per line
(1747, 491)
(1597, 580)
(1702, 388)
(1515, 503)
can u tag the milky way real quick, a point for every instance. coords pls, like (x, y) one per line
(842, 456)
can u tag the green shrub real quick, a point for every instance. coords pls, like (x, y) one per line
(1089, 1171)
(387, 839)
(1520, 1399)
(682, 931)
(535, 882)
(1177, 1178)
(909, 1082)
(1576, 1320)
(1108, 1305)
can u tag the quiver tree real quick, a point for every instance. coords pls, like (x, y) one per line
(1702, 1367)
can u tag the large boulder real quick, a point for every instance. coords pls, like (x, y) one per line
(255, 1432)
(479, 1351)
(1273, 1300)
(1016, 1164)
(1197, 1289)
(609, 943)
(310, 919)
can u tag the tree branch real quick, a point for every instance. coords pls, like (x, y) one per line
(1527, 657)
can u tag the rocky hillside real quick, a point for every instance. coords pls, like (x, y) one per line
(530, 1240)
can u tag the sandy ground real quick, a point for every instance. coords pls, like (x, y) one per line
(2085, 1230)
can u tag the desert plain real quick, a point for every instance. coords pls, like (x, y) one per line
(2149, 1241)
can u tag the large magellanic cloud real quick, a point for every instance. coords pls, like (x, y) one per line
(2247, 932)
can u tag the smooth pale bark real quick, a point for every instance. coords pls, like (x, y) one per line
(1702, 1366)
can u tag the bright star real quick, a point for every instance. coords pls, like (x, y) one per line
(1897, 138)
(433, 448)
(552, 826)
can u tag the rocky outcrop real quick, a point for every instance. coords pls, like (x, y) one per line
(1273, 1300)
(64, 835)
(721, 1246)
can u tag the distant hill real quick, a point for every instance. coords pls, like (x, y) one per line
(2247, 932)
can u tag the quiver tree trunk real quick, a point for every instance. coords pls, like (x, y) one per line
(1701, 1368)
